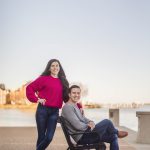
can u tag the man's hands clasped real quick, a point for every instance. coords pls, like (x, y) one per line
(91, 124)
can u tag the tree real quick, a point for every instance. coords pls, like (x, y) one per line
(2, 86)
(8, 97)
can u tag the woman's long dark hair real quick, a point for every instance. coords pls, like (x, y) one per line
(61, 76)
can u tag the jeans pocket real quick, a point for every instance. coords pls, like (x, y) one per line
(41, 110)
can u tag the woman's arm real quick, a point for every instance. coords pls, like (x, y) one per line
(32, 88)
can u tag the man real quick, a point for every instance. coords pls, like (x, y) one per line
(76, 122)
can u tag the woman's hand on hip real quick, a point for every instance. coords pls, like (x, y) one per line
(42, 101)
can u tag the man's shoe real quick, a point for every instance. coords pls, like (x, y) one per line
(122, 134)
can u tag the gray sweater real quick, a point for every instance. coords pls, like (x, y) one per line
(74, 120)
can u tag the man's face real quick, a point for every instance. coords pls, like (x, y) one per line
(75, 95)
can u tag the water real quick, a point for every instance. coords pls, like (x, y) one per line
(20, 118)
(127, 116)
(17, 118)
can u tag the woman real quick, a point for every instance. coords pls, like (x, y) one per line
(50, 89)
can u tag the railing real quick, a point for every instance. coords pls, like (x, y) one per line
(114, 116)
(143, 134)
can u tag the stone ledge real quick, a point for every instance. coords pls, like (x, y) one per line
(131, 139)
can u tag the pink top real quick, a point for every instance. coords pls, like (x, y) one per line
(79, 105)
(46, 87)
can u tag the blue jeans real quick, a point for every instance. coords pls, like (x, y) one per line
(106, 132)
(46, 119)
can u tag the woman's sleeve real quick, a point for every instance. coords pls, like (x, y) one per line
(32, 88)
(79, 105)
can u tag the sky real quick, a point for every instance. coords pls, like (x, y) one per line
(103, 44)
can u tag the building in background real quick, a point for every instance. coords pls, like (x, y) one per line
(13, 97)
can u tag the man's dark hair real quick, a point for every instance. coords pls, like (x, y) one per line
(72, 87)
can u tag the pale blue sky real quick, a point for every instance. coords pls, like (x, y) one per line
(103, 44)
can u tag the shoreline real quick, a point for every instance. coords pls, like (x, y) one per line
(10, 106)
(34, 106)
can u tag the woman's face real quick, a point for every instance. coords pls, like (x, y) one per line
(54, 68)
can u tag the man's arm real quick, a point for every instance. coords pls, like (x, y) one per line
(69, 114)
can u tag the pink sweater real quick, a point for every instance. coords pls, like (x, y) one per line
(46, 87)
